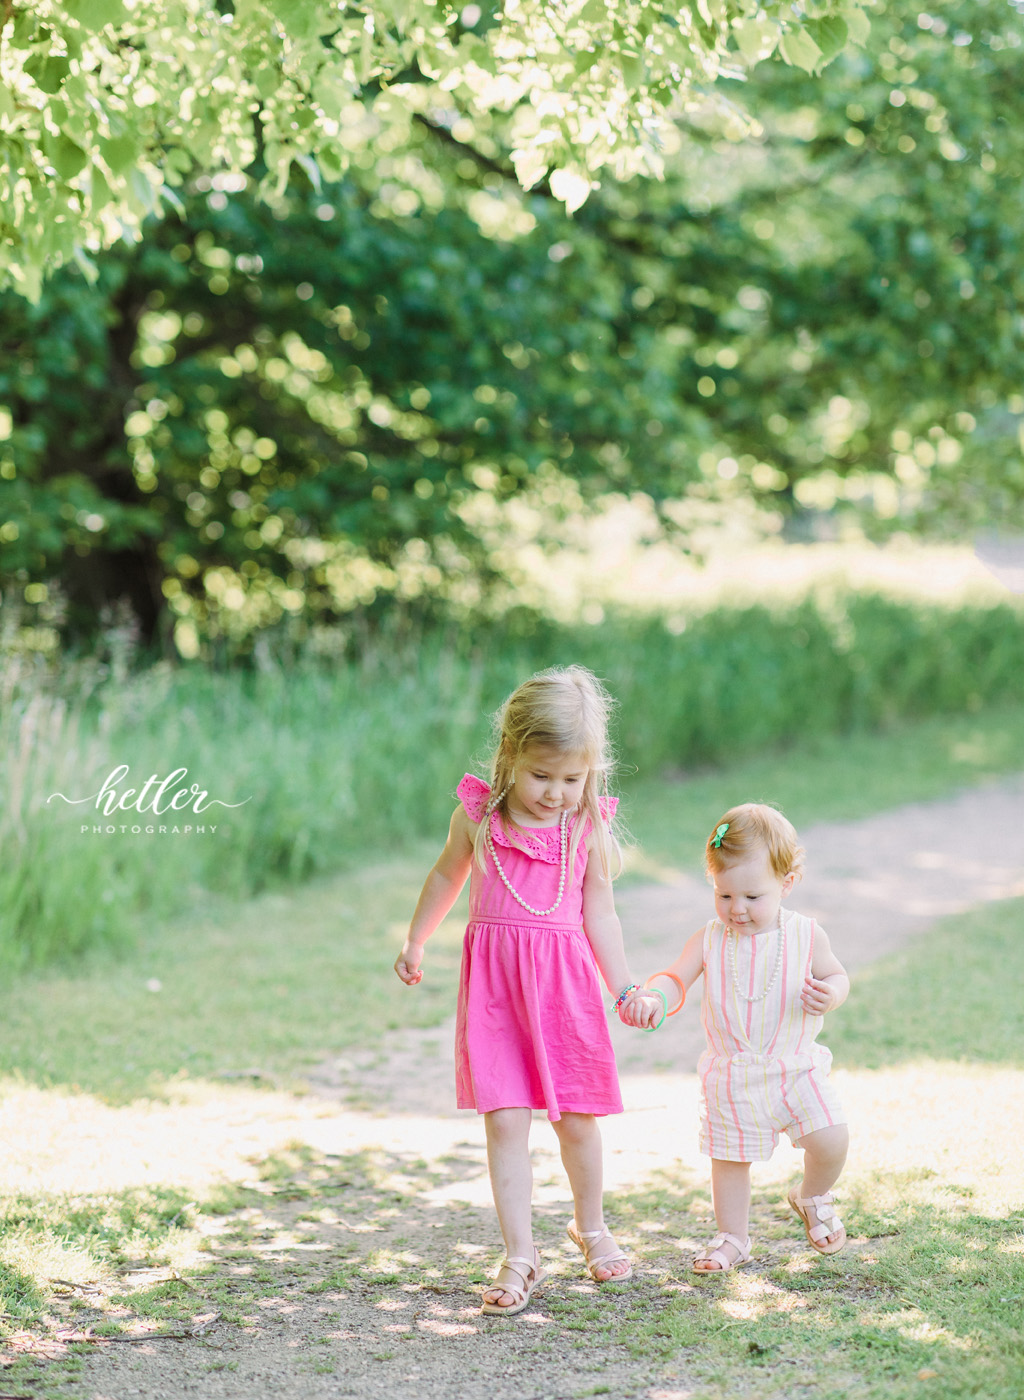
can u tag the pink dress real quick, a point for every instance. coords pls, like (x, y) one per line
(531, 1028)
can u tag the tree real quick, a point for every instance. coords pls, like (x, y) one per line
(283, 408)
(106, 107)
(290, 407)
(847, 285)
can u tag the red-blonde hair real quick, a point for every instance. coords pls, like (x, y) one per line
(753, 827)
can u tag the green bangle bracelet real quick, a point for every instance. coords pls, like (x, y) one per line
(664, 1003)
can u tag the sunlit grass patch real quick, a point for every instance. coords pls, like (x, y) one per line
(952, 994)
(80, 1245)
(21, 1299)
(248, 992)
(939, 1290)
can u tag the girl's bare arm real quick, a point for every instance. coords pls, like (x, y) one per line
(604, 934)
(440, 891)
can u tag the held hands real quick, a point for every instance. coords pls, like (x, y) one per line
(407, 964)
(817, 996)
(641, 1009)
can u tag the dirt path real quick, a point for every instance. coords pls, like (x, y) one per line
(355, 1267)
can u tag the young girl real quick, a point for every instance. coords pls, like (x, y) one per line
(531, 1029)
(769, 978)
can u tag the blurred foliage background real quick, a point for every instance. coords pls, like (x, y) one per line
(281, 412)
(328, 444)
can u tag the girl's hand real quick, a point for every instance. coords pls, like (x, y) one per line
(817, 996)
(641, 1009)
(407, 964)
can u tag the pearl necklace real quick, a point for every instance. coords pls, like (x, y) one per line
(734, 939)
(541, 913)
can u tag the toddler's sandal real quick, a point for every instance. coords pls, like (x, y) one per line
(825, 1222)
(715, 1254)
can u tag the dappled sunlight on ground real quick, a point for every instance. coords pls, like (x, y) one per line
(922, 1117)
(345, 1228)
(356, 1237)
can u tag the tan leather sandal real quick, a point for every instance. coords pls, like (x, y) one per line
(585, 1241)
(520, 1296)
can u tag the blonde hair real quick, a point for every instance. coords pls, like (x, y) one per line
(755, 826)
(565, 709)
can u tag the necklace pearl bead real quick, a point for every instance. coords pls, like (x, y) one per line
(562, 848)
(734, 939)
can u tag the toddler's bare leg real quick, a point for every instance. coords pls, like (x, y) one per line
(730, 1192)
(511, 1172)
(824, 1159)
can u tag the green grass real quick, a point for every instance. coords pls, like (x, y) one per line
(930, 1304)
(952, 995)
(252, 991)
(270, 984)
(933, 1282)
(335, 763)
(827, 778)
(81, 1239)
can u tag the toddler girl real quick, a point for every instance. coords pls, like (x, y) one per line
(531, 1030)
(769, 978)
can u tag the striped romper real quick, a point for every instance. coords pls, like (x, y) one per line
(762, 1073)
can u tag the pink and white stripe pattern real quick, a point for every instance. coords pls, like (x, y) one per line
(762, 1072)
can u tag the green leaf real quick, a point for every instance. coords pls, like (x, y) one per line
(800, 50)
(309, 165)
(531, 165)
(48, 72)
(858, 24)
(757, 37)
(572, 186)
(66, 156)
(120, 153)
(584, 61)
(331, 91)
(99, 190)
(96, 14)
(632, 70)
(307, 19)
(830, 35)
(331, 168)
(142, 189)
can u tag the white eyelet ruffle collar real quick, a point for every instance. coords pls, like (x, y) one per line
(540, 842)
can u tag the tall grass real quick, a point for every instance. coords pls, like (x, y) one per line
(334, 762)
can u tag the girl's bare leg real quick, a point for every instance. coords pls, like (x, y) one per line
(579, 1139)
(511, 1172)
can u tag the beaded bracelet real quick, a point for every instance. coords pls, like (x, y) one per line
(625, 994)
